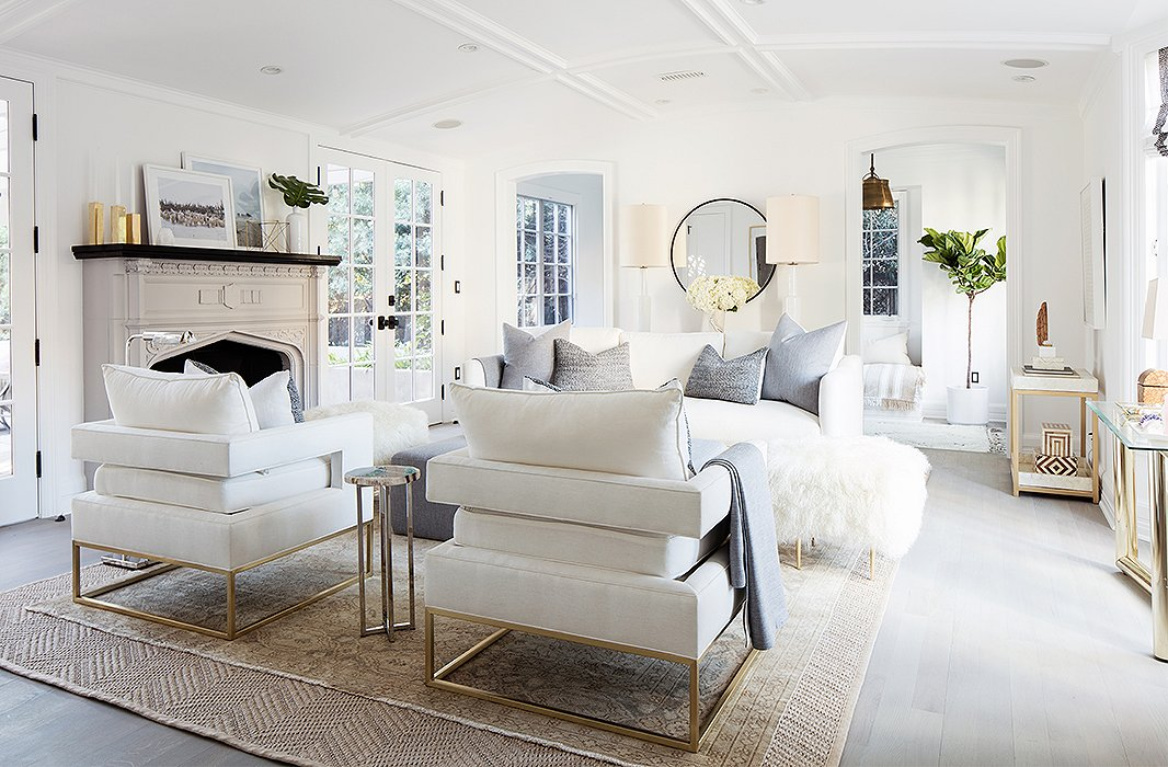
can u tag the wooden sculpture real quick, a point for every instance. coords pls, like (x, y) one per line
(1042, 327)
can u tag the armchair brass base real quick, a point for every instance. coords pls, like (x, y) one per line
(91, 598)
(437, 678)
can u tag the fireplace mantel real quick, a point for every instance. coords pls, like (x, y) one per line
(222, 255)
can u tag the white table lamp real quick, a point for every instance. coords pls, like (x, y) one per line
(644, 245)
(792, 238)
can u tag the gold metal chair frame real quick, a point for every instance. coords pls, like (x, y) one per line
(436, 678)
(90, 598)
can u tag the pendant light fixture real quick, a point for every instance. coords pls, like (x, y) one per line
(877, 195)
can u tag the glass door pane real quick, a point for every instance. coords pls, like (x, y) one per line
(416, 290)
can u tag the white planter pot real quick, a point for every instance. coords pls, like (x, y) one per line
(969, 406)
(297, 236)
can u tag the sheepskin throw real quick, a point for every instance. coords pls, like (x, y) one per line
(797, 360)
(578, 370)
(395, 427)
(869, 491)
(734, 380)
(528, 355)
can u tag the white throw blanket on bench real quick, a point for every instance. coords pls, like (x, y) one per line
(893, 387)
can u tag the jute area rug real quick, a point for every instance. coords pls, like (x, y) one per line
(306, 690)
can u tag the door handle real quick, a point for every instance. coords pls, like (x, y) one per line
(386, 323)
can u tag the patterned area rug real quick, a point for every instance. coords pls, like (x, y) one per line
(306, 690)
(934, 435)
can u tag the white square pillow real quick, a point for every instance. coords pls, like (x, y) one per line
(273, 407)
(635, 433)
(888, 351)
(150, 399)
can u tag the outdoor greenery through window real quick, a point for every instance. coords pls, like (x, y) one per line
(546, 246)
(413, 278)
(351, 234)
(881, 262)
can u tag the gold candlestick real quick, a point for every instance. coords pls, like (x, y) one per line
(133, 228)
(96, 224)
(117, 223)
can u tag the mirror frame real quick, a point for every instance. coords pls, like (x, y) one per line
(673, 242)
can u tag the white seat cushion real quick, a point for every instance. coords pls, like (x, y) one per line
(657, 357)
(224, 496)
(731, 422)
(667, 506)
(682, 617)
(665, 556)
(222, 541)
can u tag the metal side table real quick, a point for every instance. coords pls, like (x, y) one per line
(382, 478)
(1127, 441)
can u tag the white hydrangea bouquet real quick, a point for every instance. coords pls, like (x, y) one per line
(716, 294)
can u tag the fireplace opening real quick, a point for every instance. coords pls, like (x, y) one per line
(253, 363)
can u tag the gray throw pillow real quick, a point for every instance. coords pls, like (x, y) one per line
(797, 360)
(525, 355)
(578, 370)
(734, 380)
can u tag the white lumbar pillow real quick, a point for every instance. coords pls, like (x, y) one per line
(637, 433)
(273, 406)
(150, 399)
(888, 351)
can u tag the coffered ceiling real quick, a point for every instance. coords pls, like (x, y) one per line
(392, 68)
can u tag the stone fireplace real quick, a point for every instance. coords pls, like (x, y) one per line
(251, 314)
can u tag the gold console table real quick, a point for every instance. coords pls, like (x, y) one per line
(1127, 441)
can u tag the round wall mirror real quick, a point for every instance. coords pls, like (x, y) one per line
(721, 236)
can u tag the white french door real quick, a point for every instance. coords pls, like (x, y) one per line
(383, 300)
(18, 428)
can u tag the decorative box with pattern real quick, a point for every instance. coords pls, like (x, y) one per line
(1059, 465)
(1056, 439)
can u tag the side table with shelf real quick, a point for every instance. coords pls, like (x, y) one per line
(1085, 482)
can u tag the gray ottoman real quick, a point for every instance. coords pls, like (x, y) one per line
(431, 520)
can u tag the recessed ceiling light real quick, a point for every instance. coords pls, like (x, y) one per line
(468, 48)
(760, 90)
(1023, 78)
(663, 101)
(447, 124)
(271, 69)
(1025, 63)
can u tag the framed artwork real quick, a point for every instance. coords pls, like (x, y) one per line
(189, 208)
(1091, 211)
(247, 191)
(760, 270)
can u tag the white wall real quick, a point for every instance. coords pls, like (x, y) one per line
(963, 187)
(97, 130)
(803, 149)
(586, 192)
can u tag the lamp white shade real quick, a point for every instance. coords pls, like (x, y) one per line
(644, 237)
(1156, 311)
(792, 229)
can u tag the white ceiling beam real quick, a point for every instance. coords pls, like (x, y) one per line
(594, 63)
(437, 104)
(482, 30)
(930, 40)
(724, 21)
(19, 16)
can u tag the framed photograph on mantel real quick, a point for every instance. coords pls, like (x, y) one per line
(189, 208)
(247, 190)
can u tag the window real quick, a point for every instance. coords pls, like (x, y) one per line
(413, 279)
(545, 238)
(351, 230)
(881, 244)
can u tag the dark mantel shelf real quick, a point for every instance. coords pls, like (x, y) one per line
(180, 253)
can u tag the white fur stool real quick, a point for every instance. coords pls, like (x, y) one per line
(395, 427)
(867, 490)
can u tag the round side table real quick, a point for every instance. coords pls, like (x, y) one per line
(382, 478)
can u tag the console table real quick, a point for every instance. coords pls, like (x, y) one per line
(1128, 440)
(1085, 482)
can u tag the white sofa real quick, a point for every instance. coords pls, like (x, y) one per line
(658, 357)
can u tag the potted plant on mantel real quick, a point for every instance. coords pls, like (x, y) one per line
(298, 195)
(972, 271)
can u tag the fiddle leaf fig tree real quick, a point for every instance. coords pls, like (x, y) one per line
(297, 193)
(970, 268)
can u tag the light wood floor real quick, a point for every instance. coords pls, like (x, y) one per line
(1009, 639)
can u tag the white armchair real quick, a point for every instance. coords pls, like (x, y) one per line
(219, 503)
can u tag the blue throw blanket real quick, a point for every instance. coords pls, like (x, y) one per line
(754, 554)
